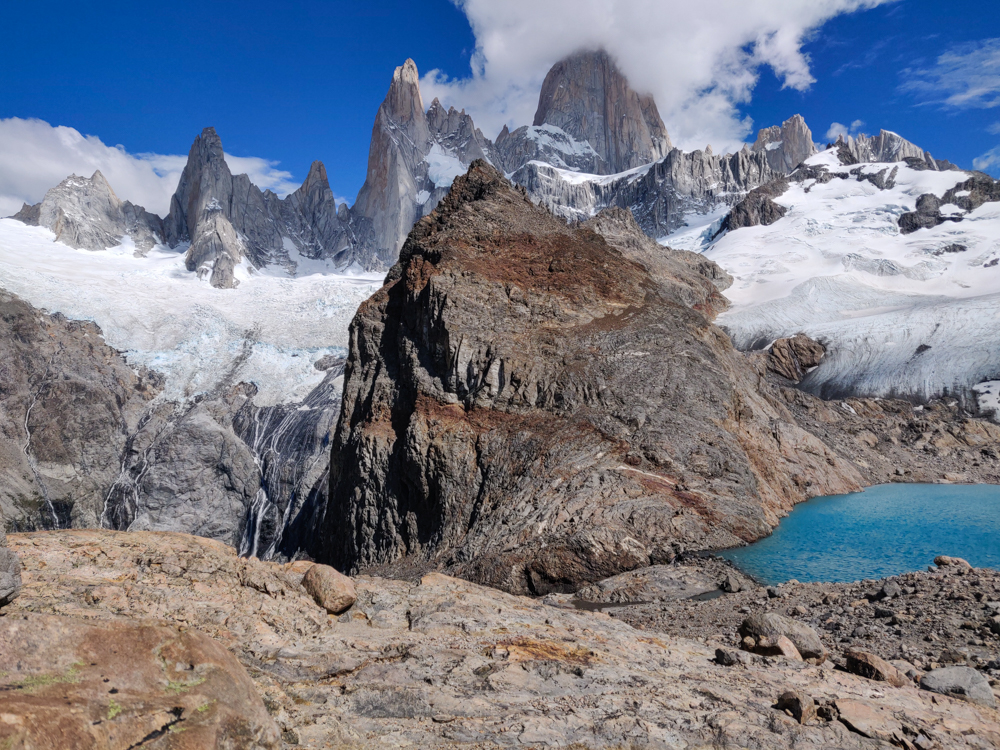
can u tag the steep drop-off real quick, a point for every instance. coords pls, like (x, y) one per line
(528, 406)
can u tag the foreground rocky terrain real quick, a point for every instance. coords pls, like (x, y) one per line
(436, 662)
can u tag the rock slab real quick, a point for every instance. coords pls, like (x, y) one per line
(963, 683)
(71, 683)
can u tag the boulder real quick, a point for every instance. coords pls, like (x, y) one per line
(731, 584)
(801, 706)
(889, 590)
(69, 683)
(792, 358)
(728, 657)
(875, 668)
(943, 561)
(333, 591)
(772, 625)
(964, 683)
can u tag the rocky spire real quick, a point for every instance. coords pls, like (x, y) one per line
(587, 96)
(413, 158)
(385, 205)
(200, 211)
(787, 146)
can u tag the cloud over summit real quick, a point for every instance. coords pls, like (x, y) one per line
(699, 60)
(36, 156)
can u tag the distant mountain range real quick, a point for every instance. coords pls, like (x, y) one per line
(594, 143)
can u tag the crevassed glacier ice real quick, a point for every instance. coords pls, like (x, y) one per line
(269, 331)
(909, 315)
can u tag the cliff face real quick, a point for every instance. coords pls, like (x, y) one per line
(586, 96)
(786, 146)
(86, 214)
(413, 158)
(528, 406)
(228, 220)
(87, 441)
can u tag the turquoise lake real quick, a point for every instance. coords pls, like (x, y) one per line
(883, 531)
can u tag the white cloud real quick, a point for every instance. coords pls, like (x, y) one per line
(987, 161)
(836, 130)
(964, 77)
(35, 156)
(994, 129)
(699, 60)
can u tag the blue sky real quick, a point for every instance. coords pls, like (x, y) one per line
(292, 82)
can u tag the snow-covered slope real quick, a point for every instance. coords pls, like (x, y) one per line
(902, 314)
(269, 331)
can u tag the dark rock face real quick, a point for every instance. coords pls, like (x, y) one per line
(86, 214)
(67, 402)
(586, 96)
(757, 209)
(792, 358)
(10, 571)
(526, 406)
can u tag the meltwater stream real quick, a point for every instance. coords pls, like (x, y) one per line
(883, 531)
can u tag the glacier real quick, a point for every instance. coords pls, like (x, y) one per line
(269, 331)
(910, 315)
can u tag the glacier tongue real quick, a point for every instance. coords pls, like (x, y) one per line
(163, 317)
(913, 315)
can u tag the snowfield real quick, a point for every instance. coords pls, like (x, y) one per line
(268, 331)
(908, 315)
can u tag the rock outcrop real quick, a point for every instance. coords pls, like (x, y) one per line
(86, 214)
(757, 209)
(786, 146)
(10, 571)
(526, 406)
(792, 358)
(967, 196)
(68, 683)
(440, 662)
(413, 158)
(588, 98)
(228, 220)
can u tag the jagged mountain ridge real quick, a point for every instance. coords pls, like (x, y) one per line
(594, 143)
(225, 224)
